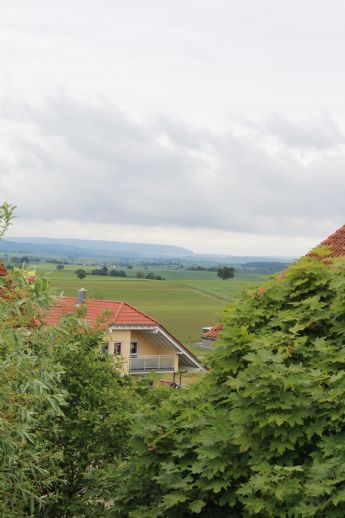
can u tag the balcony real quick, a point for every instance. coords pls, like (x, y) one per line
(151, 364)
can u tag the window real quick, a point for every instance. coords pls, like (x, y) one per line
(134, 348)
(117, 347)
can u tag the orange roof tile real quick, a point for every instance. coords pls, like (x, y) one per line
(336, 244)
(213, 333)
(100, 312)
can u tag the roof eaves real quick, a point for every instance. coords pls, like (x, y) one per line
(183, 348)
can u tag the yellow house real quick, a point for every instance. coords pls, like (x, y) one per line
(142, 343)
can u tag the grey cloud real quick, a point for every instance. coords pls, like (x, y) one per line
(319, 133)
(91, 162)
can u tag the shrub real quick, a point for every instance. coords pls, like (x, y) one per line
(263, 432)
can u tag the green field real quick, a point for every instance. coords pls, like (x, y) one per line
(184, 304)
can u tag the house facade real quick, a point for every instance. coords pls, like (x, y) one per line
(140, 342)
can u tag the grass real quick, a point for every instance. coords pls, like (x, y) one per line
(184, 304)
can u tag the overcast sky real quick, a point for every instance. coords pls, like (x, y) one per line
(218, 125)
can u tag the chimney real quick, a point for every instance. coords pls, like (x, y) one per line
(82, 294)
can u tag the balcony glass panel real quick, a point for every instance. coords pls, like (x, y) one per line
(151, 363)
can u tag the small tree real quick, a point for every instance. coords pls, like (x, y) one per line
(60, 267)
(226, 272)
(81, 274)
(94, 430)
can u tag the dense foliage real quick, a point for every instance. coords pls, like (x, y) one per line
(226, 272)
(65, 409)
(263, 433)
(31, 396)
(94, 429)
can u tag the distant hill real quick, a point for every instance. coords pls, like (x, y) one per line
(71, 248)
(85, 248)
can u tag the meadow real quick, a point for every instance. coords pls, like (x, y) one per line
(184, 303)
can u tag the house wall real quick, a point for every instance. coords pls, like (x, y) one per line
(123, 336)
(145, 346)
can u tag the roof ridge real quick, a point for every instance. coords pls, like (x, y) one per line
(121, 303)
(91, 298)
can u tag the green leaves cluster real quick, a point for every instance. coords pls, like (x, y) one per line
(94, 430)
(65, 411)
(31, 395)
(263, 434)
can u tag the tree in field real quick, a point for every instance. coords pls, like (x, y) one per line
(100, 271)
(263, 433)
(81, 274)
(60, 267)
(226, 272)
(117, 273)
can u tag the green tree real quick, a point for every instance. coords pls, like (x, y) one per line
(30, 393)
(65, 410)
(81, 274)
(60, 267)
(226, 272)
(262, 434)
(95, 427)
(117, 273)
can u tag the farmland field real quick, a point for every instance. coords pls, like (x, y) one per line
(183, 303)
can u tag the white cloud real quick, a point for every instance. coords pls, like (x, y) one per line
(72, 161)
(200, 118)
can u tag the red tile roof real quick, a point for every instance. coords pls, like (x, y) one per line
(100, 312)
(3, 270)
(336, 243)
(213, 333)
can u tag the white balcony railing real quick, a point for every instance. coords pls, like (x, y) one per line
(152, 363)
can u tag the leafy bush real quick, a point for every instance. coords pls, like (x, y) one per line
(263, 432)
(65, 410)
(94, 429)
(31, 397)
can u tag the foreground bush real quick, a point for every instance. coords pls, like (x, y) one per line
(94, 430)
(31, 396)
(264, 432)
(65, 411)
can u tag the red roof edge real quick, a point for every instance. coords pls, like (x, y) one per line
(336, 244)
(141, 312)
(213, 333)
